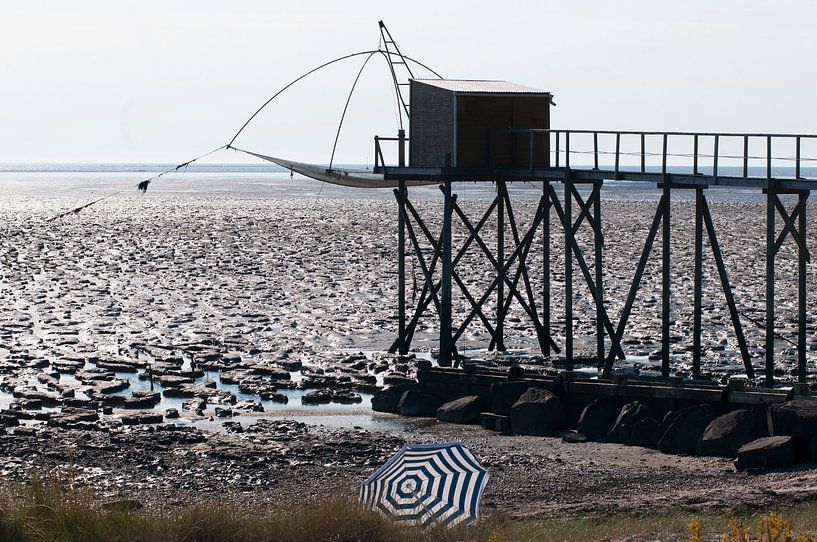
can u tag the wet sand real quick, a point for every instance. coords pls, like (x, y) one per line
(278, 290)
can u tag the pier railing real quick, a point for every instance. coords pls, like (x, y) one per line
(750, 155)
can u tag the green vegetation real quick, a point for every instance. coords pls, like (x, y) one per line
(40, 511)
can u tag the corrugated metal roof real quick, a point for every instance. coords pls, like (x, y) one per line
(481, 86)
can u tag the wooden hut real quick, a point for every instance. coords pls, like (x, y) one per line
(469, 123)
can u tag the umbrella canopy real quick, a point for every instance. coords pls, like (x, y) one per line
(427, 483)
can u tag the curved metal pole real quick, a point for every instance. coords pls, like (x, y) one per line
(310, 72)
(346, 107)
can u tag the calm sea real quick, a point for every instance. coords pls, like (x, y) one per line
(269, 180)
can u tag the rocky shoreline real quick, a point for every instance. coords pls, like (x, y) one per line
(155, 350)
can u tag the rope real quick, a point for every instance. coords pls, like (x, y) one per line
(142, 186)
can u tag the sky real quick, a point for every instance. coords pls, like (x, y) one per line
(156, 81)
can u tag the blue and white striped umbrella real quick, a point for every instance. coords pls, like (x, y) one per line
(427, 483)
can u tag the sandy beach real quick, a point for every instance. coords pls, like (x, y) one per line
(241, 296)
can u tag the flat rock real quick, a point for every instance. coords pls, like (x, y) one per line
(141, 418)
(766, 453)
(727, 433)
(465, 410)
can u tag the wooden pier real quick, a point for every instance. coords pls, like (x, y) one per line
(548, 157)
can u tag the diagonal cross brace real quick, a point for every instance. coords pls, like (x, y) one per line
(727, 290)
(577, 252)
(425, 300)
(454, 275)
(519, 252)
(789, 227)
(585, 212)
(639, 272)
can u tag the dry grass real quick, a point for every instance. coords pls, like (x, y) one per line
(39, 511)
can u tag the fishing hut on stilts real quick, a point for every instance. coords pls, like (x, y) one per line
(495, 132)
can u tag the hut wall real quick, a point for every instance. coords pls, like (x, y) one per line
(432, 126)
(478, 116)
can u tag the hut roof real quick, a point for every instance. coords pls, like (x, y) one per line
(482, 86)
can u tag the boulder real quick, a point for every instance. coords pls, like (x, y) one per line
(464, 410)
(388, 399)
(687, 428)
(797, 418)
(574, 437)
(141, 418)
(645, 433)
(726, 434)
(537, 412)
(627, 417)
(417, 403)
(597, 418)
(766, 453)
(505, 394)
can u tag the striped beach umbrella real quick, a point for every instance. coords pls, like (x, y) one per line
(427, 483)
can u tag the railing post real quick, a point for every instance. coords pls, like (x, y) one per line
(567, 150)
(797, 157)
(664, 156)
(769, 157)
(618, 149)
(695, 154)
(557, 149)
(643, 153)
(745, 156)
(596, 151)
(376, 150)
(715, 158)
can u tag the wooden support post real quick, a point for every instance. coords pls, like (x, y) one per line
(801, 291)
(500, 256)
(770, 253)
(402, 346)
(446, 346)
(546, 262)
(599, 255)
(698, 278)
(568, 267)
(665, 286)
